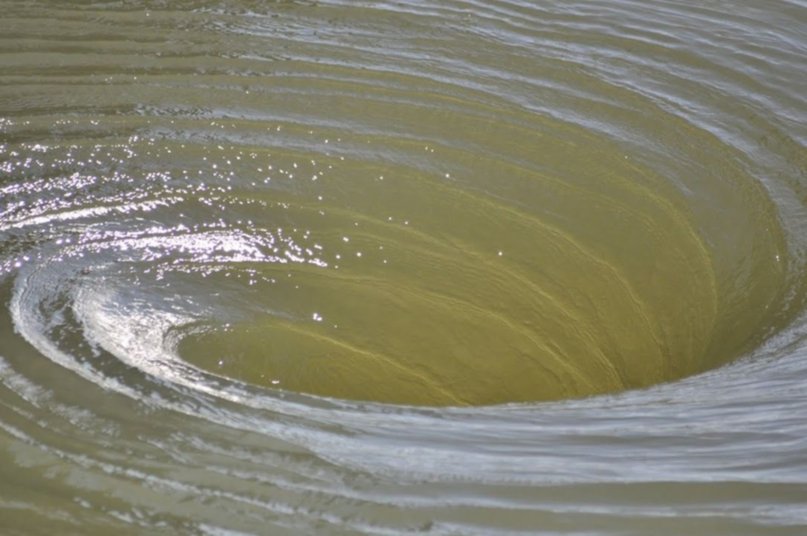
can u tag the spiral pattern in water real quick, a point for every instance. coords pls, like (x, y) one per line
(318, 266)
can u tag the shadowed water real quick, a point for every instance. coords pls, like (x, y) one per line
(429, 267)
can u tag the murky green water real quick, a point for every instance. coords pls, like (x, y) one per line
(418, 267)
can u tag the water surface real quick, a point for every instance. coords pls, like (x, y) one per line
(375, 267)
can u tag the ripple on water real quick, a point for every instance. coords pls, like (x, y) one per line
(359, 269)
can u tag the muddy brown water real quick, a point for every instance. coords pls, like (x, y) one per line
(426, 267)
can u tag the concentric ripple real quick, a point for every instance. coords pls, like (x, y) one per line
(319, 267)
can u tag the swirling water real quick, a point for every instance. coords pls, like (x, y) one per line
(452, 267)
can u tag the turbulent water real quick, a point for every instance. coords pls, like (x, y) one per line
(453, 267)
